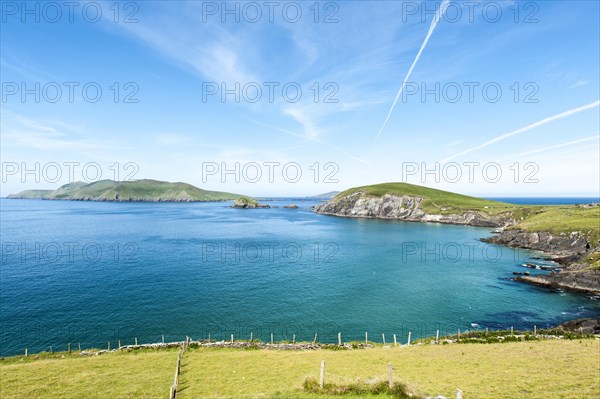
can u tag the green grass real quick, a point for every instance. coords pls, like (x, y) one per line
(557, 369)
(537, 369)
(136, 190)
(137, 374)
(564, 219)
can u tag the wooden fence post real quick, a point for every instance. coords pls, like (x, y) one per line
(26, 354)
(390, 376)
(409, 334)
(135, 341)
(163, 338)
(119, 342)
(395, 342)
(251, 334)
(340, 339)
(315, 340)
(535, 330)
(383, 338)
(294, 339)
(69, 348)
(79, 347)
(322, 374)
(366, 338)
(232, 338)
(437, 336)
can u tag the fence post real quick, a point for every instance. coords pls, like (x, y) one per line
(409, 334)
(69, 348)
(108, 345)
(383, 338)
(395, 342)
(322, 374)
(390, 376)
(315, 340)
(340, 339)
(232, 338)
(26, 354)
(366, 338)
(437, 336)
(163, 338)
(512, 331)
(209, 338)
(251, 334)
(135, 341)
(79, 347)
(535, 330)
(294, 339)
(271, 338)
(119, 344)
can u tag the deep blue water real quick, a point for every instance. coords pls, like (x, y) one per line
(90, 272)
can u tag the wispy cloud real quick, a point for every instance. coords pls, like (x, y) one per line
(434, 22)
(525, 129)
(553, 147)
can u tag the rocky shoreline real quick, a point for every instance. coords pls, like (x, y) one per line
(569, 250)
(407, 208)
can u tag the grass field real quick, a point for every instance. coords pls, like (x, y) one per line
(142, 374)
(544, 369)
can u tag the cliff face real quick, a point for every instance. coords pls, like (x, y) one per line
(567, 247)
(571, 250)
(402, 207)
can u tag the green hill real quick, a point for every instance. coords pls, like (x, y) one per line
(437, 201)
(137, 190)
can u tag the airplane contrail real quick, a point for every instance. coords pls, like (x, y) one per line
(525, 129)
(434, 23)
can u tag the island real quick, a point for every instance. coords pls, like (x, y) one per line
(567, 234)
(145, 190)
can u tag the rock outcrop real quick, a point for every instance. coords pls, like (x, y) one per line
(403, 207)
(570, 250)
(247, 203)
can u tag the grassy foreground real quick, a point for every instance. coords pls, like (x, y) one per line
(556, 369)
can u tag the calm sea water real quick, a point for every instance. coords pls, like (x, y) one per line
(89, 273)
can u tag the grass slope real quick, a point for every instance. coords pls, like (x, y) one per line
(137, 190)
(435, 200)
(544, 369)
(143, 374)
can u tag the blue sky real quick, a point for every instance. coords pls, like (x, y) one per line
(360, 56)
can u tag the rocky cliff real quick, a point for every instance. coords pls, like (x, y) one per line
(403, 207)
(572, 250)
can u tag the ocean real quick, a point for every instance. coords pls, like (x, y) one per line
(90, 273)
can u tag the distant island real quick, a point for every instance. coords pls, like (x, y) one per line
(569, 234)
(128, 191)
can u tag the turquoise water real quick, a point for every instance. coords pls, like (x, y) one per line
(89, 273)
